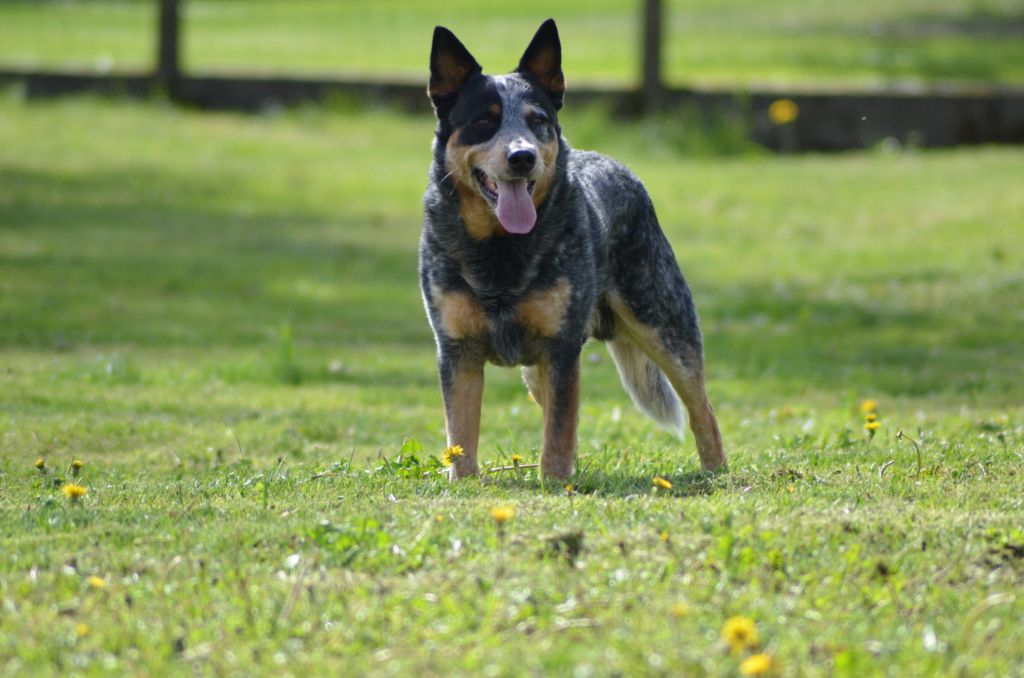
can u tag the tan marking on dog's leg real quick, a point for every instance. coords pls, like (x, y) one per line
(542, 312)
(461, 314)
(686, 379)
(462, 404)
(691, 389)
(561, 405)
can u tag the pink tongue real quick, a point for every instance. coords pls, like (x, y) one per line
(515, 208)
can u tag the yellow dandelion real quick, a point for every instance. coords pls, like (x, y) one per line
(97, 582)
(570, 490)
(783, 111)
(873, 425)
(81, 630)
(502, 514)
(450, 453)
(740, 633)
(664, 537)
(40, 464)
(76, 466)
(870, 416)
(757, 665)
(74, 491)
(868, 406)
(680, 610)
(661, 483)
(439, 518)
(516, 460)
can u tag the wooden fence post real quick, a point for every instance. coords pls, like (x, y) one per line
(168, 64)
(651, 84)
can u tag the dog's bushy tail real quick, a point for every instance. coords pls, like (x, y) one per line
(647, 385)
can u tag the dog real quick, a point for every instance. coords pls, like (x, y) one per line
(530, 248)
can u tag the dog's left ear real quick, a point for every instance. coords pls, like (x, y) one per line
(542, 61)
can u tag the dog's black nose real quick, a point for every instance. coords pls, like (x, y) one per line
(521, 161)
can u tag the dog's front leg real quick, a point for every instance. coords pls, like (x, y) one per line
(560, 397)
(462, 387)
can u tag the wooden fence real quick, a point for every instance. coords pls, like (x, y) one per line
(828, 121)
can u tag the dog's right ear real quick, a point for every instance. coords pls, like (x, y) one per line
(451, 65)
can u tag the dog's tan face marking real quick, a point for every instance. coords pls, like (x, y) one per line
(478, 215)
(542, 312)
(462, 316)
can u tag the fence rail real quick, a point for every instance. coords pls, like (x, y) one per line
(827, 121)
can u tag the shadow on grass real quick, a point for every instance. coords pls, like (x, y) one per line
(600, 482)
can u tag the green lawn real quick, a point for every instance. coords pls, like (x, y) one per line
(218, 315)
(803, 43)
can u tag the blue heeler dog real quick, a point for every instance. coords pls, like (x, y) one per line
(529, 248)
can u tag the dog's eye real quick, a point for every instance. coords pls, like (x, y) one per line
(484, 123)
(537, 119)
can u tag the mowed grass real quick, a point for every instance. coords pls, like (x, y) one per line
(218, 315)
(801, 43)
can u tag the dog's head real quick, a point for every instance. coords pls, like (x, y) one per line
(499, 133)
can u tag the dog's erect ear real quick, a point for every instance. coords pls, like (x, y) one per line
(542, 60)
(451, 65)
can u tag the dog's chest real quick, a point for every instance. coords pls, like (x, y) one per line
(509, 331)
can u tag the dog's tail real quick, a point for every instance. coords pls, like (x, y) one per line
(647, 385)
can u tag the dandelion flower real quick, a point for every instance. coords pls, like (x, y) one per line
(740, 633)
(757, 665)
(783, 111)
(81, 630)
(74, 491)
(97, 582)
(870, 416)
(570, 490)
(503, 514)
(664, 536)
(41, 464)
(450, 453)
(661, 483)
(872, 426)
(76, 466)
(680, 610)
(868, 406)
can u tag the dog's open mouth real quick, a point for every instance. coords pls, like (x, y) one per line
(512, 201)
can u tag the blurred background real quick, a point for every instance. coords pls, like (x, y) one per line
(725, 43)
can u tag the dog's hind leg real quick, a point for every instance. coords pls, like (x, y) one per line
(654, 309)
(679, 356)
(532, 379)
(647, 384)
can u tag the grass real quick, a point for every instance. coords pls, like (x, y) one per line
(734, 43)
(218, 315)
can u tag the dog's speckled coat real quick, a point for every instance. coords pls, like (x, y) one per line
(595, 264)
